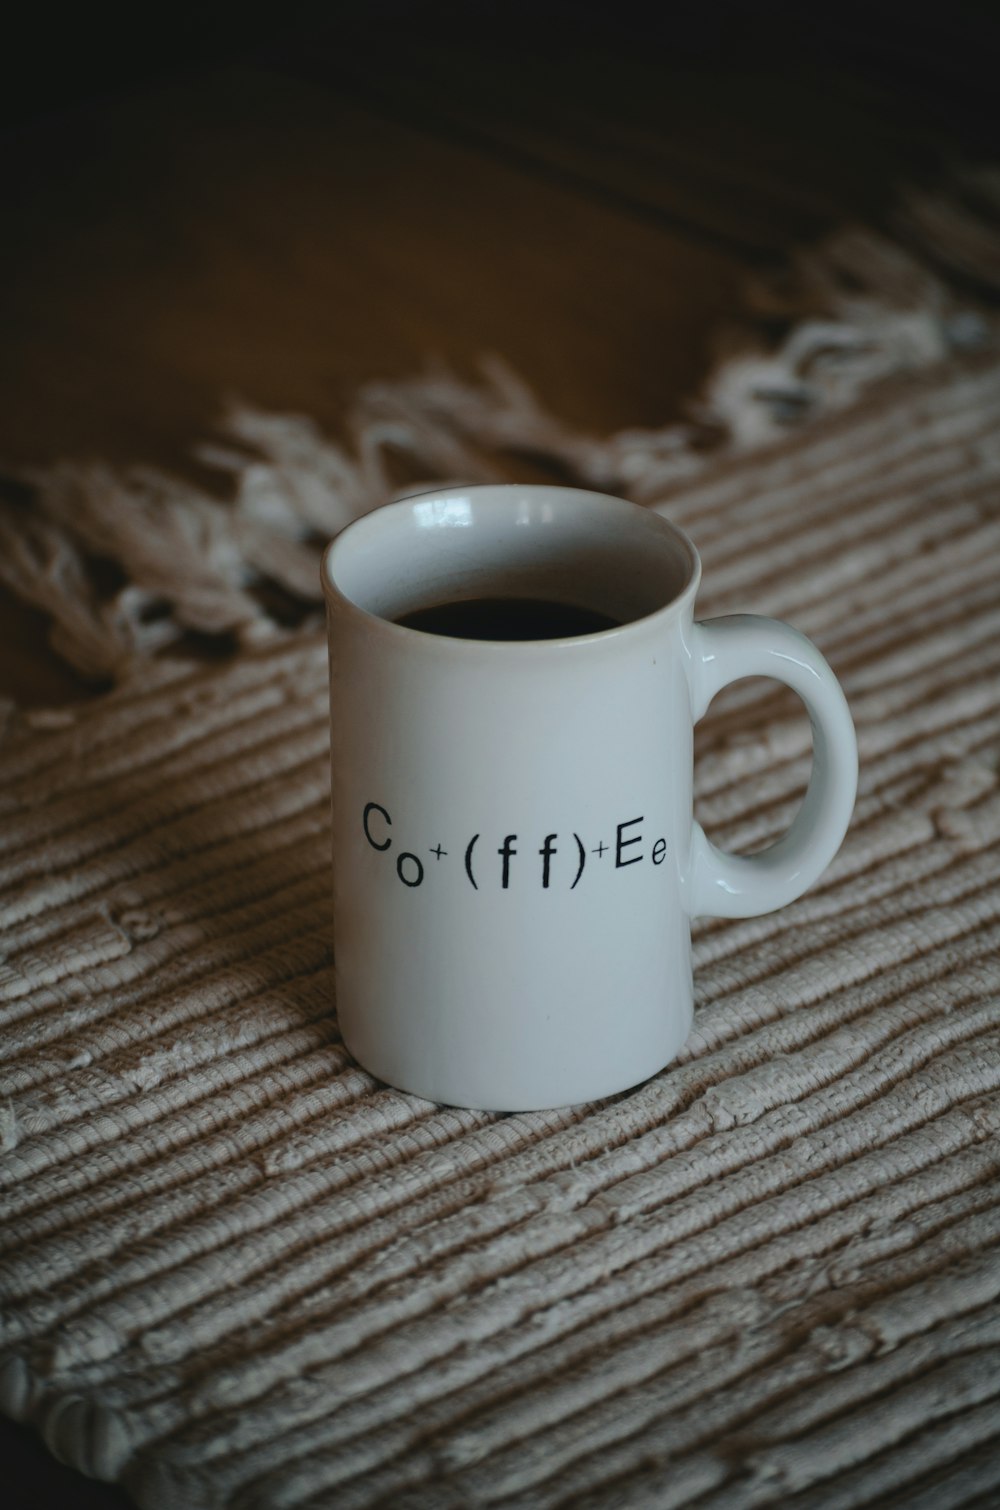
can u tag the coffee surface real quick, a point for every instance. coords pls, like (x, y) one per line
(507, 619)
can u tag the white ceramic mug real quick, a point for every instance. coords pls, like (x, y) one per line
(515, 859)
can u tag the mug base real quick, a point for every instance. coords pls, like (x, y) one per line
(437, 1086)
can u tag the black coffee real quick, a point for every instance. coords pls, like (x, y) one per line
(507, 619)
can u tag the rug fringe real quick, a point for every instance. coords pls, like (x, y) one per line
(858, 308)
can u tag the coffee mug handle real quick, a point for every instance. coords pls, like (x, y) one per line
(735, 886)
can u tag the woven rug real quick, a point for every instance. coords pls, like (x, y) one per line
(236, 1271)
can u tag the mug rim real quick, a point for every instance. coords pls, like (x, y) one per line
(403, 507)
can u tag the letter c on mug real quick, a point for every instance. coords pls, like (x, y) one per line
(375, 807)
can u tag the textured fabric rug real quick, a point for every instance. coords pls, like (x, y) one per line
(236, 1271)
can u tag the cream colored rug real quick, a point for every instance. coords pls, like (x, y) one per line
(236, 1271)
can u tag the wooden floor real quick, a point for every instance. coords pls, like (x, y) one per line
(344, 201)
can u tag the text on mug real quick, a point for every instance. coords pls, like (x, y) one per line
(627, 846)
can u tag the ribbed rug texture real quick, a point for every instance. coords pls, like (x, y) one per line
(236, 1271)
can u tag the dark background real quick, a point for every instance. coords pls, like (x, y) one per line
(286, 204)
(62, 58)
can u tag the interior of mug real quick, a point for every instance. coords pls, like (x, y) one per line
(511, 541)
